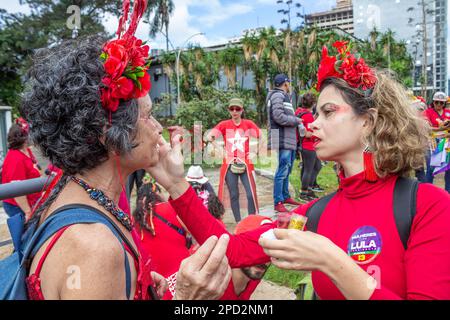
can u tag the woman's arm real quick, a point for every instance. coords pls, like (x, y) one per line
(243, 249)
(308, 251)
(22, 202)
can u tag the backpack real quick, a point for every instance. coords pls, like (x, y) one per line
(14, 269)
(404, 205)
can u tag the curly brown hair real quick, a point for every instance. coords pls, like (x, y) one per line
(399, 136)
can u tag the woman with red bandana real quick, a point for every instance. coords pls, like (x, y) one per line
(19, 164)
(236, 134)
(368, 127)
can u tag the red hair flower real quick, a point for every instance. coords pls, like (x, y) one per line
(126, 61)
(23, 125)
(347, 66)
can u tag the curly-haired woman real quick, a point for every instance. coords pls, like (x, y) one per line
(366, 124)
(19, 164)
(89, 112)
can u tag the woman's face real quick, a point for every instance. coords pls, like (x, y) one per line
(337, 130)
(439, 105)
(147, 139)
(235, 112)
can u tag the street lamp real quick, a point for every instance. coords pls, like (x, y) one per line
(178, 63)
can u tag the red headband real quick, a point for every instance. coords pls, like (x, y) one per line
(126, 61)
(345, 65)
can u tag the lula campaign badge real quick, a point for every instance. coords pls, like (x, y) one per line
(364, 245)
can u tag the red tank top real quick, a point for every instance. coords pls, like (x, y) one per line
(144, 280)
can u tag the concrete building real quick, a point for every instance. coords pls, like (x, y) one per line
(405, 18)
(340, 17)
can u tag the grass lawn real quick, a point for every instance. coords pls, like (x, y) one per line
(327, 178)
(291, 279)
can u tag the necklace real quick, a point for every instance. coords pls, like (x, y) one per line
(105, 202)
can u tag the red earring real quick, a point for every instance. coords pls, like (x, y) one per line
(369, 169)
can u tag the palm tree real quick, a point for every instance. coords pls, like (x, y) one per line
(160, 12)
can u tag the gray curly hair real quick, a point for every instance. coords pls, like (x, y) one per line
(62, 104)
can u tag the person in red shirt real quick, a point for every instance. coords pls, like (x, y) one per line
(356, 252)
(160, 233)
(19, 164)
(245, 280)
(370, 129)
(311, 164)
(236, 134)
(439, 119)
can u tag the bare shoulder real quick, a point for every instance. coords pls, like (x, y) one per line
(99, 259)
(95, 239)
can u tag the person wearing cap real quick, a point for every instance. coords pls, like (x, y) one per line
(197, 178)
(283, 138)
(244, 281)
(236, 134)
(439, 119)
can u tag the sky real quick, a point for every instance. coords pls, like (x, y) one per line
(219, 20)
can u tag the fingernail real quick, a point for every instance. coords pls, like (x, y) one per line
(226, 236)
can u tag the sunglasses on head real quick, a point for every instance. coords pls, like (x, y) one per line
(237, 109)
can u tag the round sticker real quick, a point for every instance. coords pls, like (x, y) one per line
(364, 245)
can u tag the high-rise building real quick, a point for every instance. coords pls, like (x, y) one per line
(405, 18)
(340, 17)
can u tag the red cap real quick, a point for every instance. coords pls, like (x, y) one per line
(251, 222)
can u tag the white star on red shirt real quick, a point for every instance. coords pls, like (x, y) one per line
(237, 142)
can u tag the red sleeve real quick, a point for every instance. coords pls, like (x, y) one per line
(221, 128)
(243, 249)
(427, 263)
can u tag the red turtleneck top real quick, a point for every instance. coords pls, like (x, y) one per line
(359, 220)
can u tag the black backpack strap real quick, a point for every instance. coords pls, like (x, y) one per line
(315, 212)
(405, 203)
(179, 230)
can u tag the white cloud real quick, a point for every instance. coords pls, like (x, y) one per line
(217, 12)
(13, 6)
(183, 24)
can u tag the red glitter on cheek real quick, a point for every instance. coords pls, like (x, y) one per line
(339, 109)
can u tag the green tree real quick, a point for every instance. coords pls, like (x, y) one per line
(158, 15)
(21, 35)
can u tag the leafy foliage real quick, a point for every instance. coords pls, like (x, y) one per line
(212, 108)
(21, 35)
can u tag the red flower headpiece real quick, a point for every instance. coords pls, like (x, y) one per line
(345, 65)
(23, 125)
(126, 61)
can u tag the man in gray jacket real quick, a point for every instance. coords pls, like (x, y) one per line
(283, 138)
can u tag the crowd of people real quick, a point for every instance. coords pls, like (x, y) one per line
(94, 123)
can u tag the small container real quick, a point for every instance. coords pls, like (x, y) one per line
(297, 222)
(283, 220)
